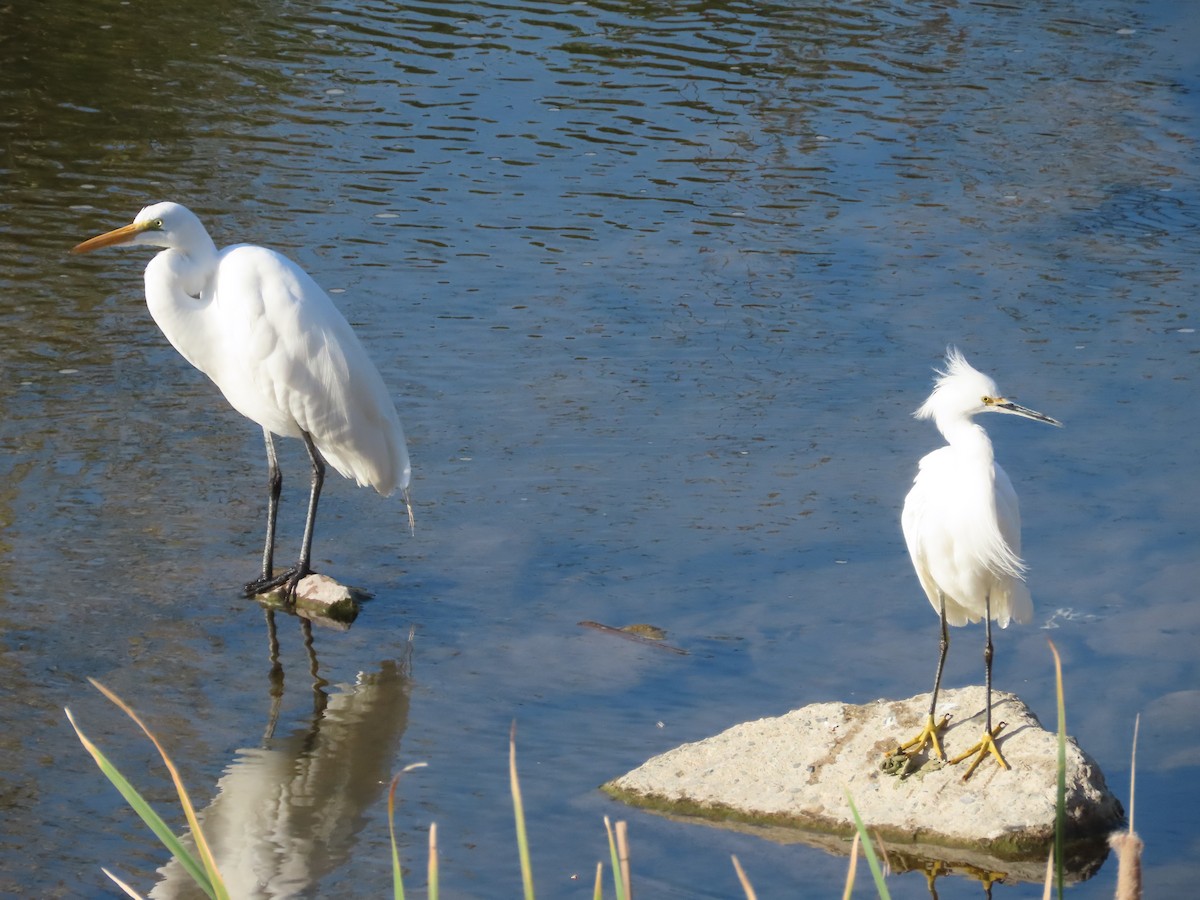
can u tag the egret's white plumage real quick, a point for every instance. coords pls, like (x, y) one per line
(279, 350)
(962, 521)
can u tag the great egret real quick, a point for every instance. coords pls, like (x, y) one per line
(267, 335)
(962, 524)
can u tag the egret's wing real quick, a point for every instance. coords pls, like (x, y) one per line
(1008, 511)
(960, 523)
(928, 537)
(1013, 599)
(296, 365)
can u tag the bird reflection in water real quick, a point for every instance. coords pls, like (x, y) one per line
(275, 676)
(288, 812)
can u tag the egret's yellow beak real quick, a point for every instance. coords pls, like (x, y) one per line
(122, 235)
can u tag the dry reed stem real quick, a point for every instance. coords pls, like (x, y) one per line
(623, 856)
(747, 887)
(853, 868)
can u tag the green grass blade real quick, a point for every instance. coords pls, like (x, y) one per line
(206, 856)
(872, 861)
(1060, 812)
(147, 814)
(397, 875)
(614, 860)
(519, 815)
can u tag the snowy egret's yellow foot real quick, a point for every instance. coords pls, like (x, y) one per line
(933, 871)
(928, 736)
(986, 745)
(987, 879)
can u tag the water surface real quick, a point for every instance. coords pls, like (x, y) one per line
(656, 287)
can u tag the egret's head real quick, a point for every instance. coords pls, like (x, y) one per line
(961, 391)
(158, 225)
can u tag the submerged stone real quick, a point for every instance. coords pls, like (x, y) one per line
(791, 774)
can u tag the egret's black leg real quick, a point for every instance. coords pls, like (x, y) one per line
(929, 734)
(318, 479)
(987, 660)
(291, 578)
(987, 743)
(274, 488)
(945, 649)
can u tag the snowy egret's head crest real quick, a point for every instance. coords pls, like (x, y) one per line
(961, 391)
(958, 389)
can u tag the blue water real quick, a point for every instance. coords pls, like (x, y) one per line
(656, 288)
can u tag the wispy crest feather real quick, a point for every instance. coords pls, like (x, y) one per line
(956, 367)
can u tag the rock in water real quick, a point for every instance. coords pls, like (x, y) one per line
(795, 771)
(320, 599)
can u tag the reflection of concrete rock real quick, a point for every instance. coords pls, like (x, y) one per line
(287, 813)
(793, 772)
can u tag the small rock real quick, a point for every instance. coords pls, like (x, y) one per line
(320, 599)
(793, 772)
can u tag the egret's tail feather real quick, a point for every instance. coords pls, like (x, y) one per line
(412, 521)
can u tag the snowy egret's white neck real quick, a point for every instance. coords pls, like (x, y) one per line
(962, 433)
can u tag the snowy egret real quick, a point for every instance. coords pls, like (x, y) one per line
(267, 335)
(962, 524)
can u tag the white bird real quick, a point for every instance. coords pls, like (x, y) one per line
(267, 335)
(962, 524)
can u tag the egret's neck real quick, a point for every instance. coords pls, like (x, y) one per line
(179, 292)
(963, 434)
(189, 270)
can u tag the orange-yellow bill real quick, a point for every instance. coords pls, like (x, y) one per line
(122, 235)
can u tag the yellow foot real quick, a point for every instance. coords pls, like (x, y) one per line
(986, 745)
(933, 871)
(928, 736)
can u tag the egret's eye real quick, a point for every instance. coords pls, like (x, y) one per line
(987, 401)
